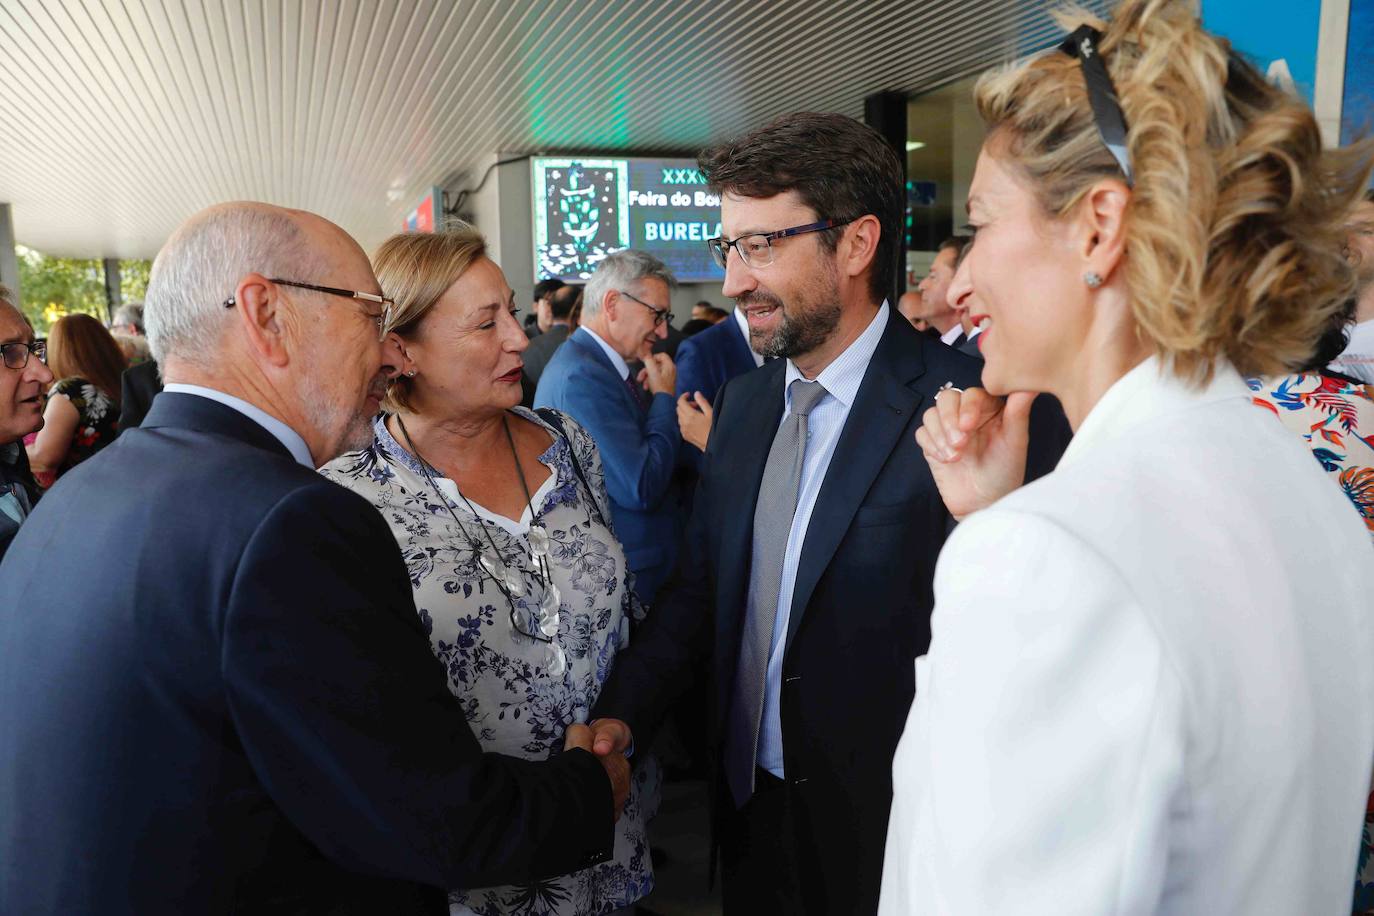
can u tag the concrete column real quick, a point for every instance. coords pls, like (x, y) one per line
(9, 260)
(1329, 94)
(113, 298)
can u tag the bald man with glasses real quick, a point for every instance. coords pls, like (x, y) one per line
(216, 694)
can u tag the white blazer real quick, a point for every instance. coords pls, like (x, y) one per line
(1150, 687)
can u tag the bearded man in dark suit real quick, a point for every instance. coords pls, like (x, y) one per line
(804, 583)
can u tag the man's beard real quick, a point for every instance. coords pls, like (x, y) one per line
(326, 415)
(802, 328)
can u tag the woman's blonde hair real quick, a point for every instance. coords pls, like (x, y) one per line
(1236, 222)
(415, 269)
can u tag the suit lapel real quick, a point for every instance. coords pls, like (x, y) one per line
(879, 417)
(592, 350)
(756, 414)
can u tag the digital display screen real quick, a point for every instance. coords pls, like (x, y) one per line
(587, 207)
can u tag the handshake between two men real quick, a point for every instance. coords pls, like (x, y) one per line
(608, 739)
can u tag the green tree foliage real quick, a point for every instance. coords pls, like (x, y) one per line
(133, 280)
(52, 287)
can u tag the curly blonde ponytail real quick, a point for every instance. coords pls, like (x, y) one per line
(1236, 221)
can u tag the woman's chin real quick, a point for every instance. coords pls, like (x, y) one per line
(995, 382)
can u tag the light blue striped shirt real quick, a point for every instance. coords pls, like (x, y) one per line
(284, 434)
(841, 380)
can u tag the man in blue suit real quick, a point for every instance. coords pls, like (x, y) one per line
(709, 359)
(624, 314)
(229, 704)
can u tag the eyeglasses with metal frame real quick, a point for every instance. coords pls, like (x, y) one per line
(387, 303)
(756, 250)
(16, 353)
(661, 316)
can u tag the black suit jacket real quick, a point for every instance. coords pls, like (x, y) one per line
(860, 610)
(138, 386)
(216, 697)
(541, 350)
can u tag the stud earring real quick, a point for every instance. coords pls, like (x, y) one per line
(1092, 279)
(410, 374)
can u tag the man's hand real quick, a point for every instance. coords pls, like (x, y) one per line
(618, 771)
(975, 444)
(616, 766)
(694, 418)
(660, 374)
(578, 736)
(610, 736)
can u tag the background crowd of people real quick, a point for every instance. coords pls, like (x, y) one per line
(1045, 587)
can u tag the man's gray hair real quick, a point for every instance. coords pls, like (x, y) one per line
(130, 313)
(7, 297)
(617, 271)
(201, 266)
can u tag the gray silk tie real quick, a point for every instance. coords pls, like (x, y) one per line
(772, 523)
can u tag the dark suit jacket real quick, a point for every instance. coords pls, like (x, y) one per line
(638, 452)
(541, 350)
(216, 696)
(708, 360)
(138, 386)
(860, 610)
(670, 343)
(15, 477)
(705, 362)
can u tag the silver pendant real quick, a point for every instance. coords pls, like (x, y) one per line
(551, 600)
(514, 584)
(539, 542)
(557, 662)
(489, 562)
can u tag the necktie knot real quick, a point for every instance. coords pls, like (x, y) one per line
(805, 396)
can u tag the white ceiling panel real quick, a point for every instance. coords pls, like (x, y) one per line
(119, 118)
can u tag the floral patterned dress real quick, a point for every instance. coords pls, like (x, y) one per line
(516, 700)
(1336, 418)
(96, 426)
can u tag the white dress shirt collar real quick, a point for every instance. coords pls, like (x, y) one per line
(284, 434)
(843, 376)
(949, 337)
(616, 359)
(742, 321)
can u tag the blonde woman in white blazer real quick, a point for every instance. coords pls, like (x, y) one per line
(1150, 687)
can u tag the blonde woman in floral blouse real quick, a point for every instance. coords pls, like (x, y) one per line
(502, 516)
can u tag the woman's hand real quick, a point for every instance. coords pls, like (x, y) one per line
(975, 445)
(694, 418)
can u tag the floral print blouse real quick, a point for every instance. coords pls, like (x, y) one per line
(517, 699)
(1336, 418)
(96, 426)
